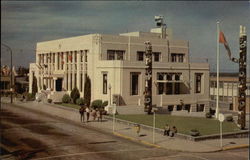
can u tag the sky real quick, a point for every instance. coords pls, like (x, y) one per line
(24, 23)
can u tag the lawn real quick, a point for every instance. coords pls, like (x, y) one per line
(71, 105)
(183, 124)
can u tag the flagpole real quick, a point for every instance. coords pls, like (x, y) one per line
(218, 65)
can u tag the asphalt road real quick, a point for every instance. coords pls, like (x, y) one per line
(27, 134)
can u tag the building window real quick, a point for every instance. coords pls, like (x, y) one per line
(120, 55)
(181, 57)
(177, 88)
(200, 107)
(104, 83)
(134, 83)
(169, 87)
(198, 77)
(160, 88)
(173, 57)
(177, 57)
(157, 56)
(140, 56)
(111, 55)
(115, 54)
(75, 54)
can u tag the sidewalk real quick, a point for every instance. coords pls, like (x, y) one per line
(146, 136)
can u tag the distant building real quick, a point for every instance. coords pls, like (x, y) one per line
(116, 65)
(228, 91)
(5, 81)
(20, 80)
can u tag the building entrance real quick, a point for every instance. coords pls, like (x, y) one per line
(59, 84)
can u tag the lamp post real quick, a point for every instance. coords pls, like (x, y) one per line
(110, 94)
(11, 75)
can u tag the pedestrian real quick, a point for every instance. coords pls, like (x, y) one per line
(81, 111)
(93, 113)
(166, 130)
(101, 112)
(88, 113)
(98, 115)
(173, 131)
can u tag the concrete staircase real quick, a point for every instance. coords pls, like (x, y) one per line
(57, 96)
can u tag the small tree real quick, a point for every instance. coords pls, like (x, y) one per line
(75, 94)
(87, 91)
(96, 104)
(66, 98)
(34, 86)
(80, 101)
(105, 103)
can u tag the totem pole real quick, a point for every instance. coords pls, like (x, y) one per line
(148, 79)
(242, 78)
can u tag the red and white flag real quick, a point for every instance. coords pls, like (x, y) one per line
(223, 40)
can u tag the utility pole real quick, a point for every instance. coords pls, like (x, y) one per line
(242, 79)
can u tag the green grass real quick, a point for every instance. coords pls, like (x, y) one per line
(183, 124)
(70, 105)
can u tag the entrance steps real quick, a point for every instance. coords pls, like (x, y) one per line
(57, 96)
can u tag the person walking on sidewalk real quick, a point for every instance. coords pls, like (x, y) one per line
(81, 111)
(98, 114)
(88, 113)
(166, 130)
(93, 114)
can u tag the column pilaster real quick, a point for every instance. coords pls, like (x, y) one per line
(78, 70)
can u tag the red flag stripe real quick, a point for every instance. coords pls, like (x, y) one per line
(222, 38)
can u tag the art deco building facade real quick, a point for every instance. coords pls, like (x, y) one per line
(116, 67)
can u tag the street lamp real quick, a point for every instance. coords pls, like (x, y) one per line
(11, 75)
(110, 94)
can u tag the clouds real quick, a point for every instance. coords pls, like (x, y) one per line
(24, 23)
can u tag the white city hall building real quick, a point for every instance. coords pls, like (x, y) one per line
(116, 67)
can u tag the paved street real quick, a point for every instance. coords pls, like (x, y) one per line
(34, 135)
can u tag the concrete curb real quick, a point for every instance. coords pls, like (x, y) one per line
(136, 140)
(236, 147)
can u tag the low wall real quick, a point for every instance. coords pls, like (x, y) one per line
(239, 134)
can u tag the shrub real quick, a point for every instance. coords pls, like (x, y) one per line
(75, 94)
(87, 90)
(34, 86)
(105, 103)
(97, 104)
(66, 98)
(229, 118)
(208, 115)
(30, 97)
(49, 100)
(80, 101)
(194, 132)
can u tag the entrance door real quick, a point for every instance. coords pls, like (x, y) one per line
(59, 84)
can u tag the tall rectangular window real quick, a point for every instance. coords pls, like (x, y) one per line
(198, 82)
(181, 57)
(104, 83)
(134, 83)
(119, 55)
(140, 56)
(169, 87)
(111, 55)
(157, 56)
(173, 57)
